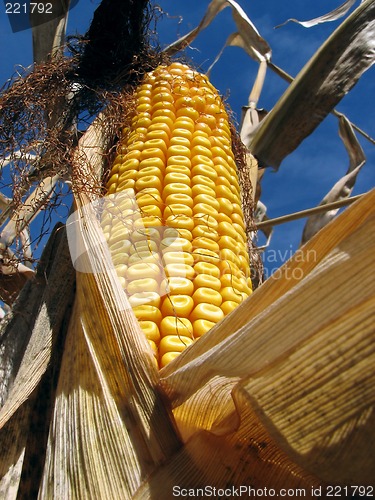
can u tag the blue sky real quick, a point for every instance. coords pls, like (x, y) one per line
(306, 175)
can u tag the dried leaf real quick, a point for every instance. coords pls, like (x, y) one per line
(335, 14)
(321, 84)
(344, 187)
(49, 30)
(28, 210)
(306, 370)
(255, 45)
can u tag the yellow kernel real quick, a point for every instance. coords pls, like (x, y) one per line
(157, 134)
(175, 243)
(202, 189)
(113, 180)
(145, 199)
(208, 221)
(179, 160)
(151, 210)
(173, 257)
(142, 121)
(152, 153)
(177, 285)
(177, 305)
(238, 219)
(157, 144)
(204, 208)
(207, 243)
(179, 198)
(182, 169)
(143, 245)
(207, 281)
(121, 270)
(120, 258)
(162, 94)
(201, 150)
(180, 89)
(146, 312)
(208, 120)
(180, 222)
(167, 358)
(161, 106)
(143, 107)
(207, 295)
(182, 132)
(149, 298)
(121, 246)
(203, 230)
(180, 270)
(148, 181)
(206, 311)
(203, 127)
(228, 306)
(199, 102)
(133, 154)
(185, 123)
(188, 112)
(208, 200)
(182, 233)
(173, 343)
(200, 159)
(143, 270)
(177, 209)
(131, 164)
(151, 330)
(178, 150)
(152, 162)
(207, 268)
(227, 254)
(172, 325)
(202, 326)
(225, 192)
(179, 141)
(150, 171)
(230, 293)
(128, 175)
(226, 229)
(204, 170)
(205, 255)
(162, 118)
(228, 242)
(153, 347)
(160, 125)
(226, 206)
(174, 177)
(202, 179)
(231, 281)
(176, 187)
(183, 101)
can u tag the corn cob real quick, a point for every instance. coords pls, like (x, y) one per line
(176, 158)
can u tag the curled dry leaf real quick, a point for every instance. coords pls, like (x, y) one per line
(343, 187)
(248, 35)
(333, 15)
(322, 83)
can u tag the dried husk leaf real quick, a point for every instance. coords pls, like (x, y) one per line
(49, 30)
(255, 45)
(333, 15)
(30, 336)
(344, 186)
(26, 212)
(120, 427)
(302, 355)
(323, 82)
